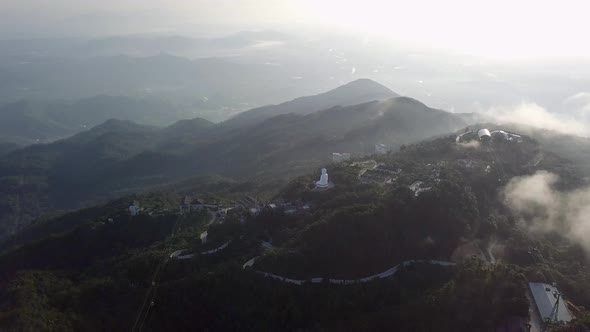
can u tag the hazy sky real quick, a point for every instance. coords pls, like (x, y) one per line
(499, 28)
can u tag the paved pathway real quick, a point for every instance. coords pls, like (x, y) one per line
(178, 253)
(212, 251)
(385, 274)
(250, 263)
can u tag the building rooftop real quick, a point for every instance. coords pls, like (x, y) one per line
(545, 298)
(418, 188)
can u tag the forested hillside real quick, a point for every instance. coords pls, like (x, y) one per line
(119, 157)
(450, 236)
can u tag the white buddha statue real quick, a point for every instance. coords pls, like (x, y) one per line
(323, 182)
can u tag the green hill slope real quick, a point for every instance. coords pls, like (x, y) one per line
(120, 157)
(358, 228)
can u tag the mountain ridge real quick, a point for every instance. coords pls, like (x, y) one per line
(119, 156)
(355, 92)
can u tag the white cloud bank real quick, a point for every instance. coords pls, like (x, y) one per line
(470, 145)
(545, 209)
(579, 105)
(531, 114)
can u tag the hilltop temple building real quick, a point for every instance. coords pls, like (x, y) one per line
(340, 157)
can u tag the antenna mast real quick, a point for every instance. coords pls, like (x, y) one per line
(553, 317)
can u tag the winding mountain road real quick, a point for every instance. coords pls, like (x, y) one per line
(385, 274)
(178, 253)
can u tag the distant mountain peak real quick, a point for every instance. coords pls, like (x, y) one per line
(365, 84)
(356, 92)
(116, 125)
(189, 124)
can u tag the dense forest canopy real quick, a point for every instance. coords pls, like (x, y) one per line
(354, 230)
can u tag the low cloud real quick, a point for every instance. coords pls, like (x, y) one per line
(531, 114)
(579, 106)
(536, 201)
(579, 99)
(469, 145)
